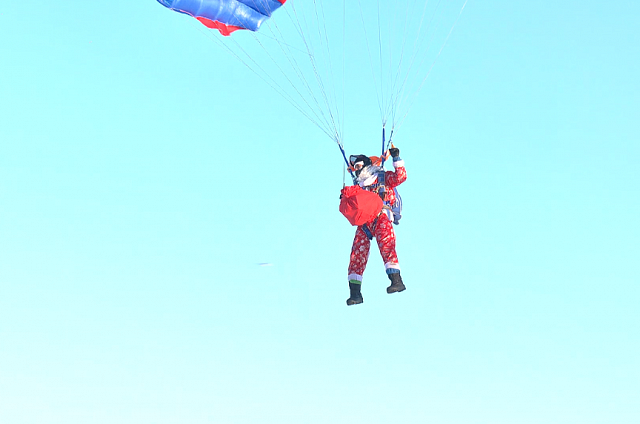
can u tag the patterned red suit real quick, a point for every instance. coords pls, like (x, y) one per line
(381, 228)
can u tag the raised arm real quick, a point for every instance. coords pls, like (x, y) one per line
(397, 177)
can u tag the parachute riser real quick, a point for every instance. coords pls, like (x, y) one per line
(346, 161)
(385, 145)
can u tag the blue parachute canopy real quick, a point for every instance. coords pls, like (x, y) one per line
(226, 15)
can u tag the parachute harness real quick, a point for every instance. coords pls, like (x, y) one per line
(388, 144)
(369, 232)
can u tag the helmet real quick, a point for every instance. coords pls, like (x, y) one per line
(359, 162)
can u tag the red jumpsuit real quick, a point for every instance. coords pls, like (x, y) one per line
(381, 228)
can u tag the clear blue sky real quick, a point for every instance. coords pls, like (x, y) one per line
(144, 175)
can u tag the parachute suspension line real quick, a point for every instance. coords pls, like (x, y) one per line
(285, 75)
(344, 49)
(344, 175)
(346, 161)
(398, 26)
(392, 31)
(335, 116)
(298, 26)
(435, 21)
(433, 63)
(308, 41)
(415, 51)
(298, 70)
(394, 23)
(262, 34)
(395, 93)
(321, 120)
(411, 91)
(384, 120)
(328, 56)
(264, 76)
(317, 75)
(373, 74)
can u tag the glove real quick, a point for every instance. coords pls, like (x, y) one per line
(395, 152)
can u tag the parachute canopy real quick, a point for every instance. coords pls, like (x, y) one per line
(226, 16)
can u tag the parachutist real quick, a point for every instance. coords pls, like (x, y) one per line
(373, 218)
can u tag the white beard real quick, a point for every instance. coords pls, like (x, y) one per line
(368, 175)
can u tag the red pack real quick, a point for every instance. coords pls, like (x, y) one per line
(359, 206)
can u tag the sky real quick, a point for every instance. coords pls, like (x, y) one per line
(145, 175)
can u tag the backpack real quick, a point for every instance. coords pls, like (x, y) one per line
(393, 210)
(396, 208)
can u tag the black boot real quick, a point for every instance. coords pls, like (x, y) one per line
(356, 296)
(396, 283)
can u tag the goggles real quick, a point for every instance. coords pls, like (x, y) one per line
(356, 163)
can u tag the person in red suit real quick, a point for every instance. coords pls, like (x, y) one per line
(373, 178)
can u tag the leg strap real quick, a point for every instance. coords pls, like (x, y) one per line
(369, 232)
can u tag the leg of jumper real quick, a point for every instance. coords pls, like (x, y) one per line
(359, 256)
(386, 238)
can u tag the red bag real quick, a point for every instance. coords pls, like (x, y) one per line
(359, 206)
